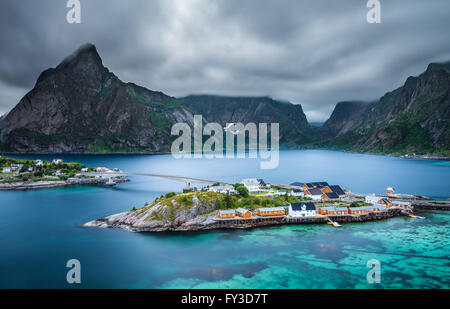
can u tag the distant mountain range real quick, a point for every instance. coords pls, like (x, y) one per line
(82, 107)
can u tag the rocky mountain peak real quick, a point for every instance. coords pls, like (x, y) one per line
(84, 63)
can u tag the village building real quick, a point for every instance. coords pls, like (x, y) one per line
(296, 192)
(302, 209)
(39, 162)
(337, 189)
(373, 199)
(401, 204)
(223, 189)
(6, 170)
(270, 211)
(311, 185)
(366, 209)
(57, 161)
(314, 193)
(244, 213)
(330, 196)
(333, 210)
(231, 213)
(102, 169)
(84, 169)
(326, 189)
(252, 185)
(263, 184)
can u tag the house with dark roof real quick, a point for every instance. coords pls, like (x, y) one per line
(337, 189)
(314, 193)
(330, 196)
(302, 209)
(296, 192)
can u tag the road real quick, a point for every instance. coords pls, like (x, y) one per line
(187, 180)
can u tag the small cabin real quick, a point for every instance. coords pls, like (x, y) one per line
(231, 213)
(270, 211)
(244, 213)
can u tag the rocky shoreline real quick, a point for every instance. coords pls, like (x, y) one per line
(129, 222)
(30, 185)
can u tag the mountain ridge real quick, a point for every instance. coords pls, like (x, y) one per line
(79, 106)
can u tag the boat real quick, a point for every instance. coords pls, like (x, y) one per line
(335, 224)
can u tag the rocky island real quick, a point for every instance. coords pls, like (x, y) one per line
(201, 210)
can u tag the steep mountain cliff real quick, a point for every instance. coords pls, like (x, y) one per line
(345, 116)
(80, 106)
(294, 128)
(414, 118)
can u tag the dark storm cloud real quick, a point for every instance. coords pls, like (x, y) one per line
(315, 53)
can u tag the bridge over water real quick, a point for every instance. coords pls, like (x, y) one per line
(187, 180)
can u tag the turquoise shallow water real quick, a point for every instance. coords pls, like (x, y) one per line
(40, 230)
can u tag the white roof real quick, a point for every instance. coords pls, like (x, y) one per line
(227, 212)
(250, 182)
(271, 209)
(242, 210)
(220, 188)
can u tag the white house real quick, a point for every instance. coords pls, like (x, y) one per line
(38, 162)
(296, 192)
(84, 169)
(252, 184)
(302, 209)
(223, 189)
(57, 161)
(373, 199)
(58, 173)
(6, 170)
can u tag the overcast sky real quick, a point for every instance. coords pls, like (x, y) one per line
(314, 53)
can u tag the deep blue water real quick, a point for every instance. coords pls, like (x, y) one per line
(41, 230)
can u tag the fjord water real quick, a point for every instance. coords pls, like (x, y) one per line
(41, 230)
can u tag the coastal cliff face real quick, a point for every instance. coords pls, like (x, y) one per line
(80, 106)
(414, 118)
(185, 212)
(294, 127)
(345, 117)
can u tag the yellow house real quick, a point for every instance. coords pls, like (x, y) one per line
(270, 211)
(231, 213)
(244, 213)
